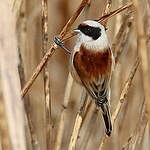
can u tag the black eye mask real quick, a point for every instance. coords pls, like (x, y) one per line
(94, 32)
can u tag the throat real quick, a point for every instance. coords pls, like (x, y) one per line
(98, 44)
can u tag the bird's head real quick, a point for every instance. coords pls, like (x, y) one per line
(92, 33)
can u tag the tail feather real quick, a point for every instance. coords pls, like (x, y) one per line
(107, 118)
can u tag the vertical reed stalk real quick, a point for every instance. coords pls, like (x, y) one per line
(46, 75)
(10, 78)
(142, 49)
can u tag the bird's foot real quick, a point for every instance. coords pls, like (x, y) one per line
(61, 44)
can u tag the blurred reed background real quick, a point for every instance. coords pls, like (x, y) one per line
(57, 113)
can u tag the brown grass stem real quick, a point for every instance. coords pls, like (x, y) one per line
(44, 15)
(109, 15)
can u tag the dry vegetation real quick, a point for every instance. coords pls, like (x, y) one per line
(55, 113)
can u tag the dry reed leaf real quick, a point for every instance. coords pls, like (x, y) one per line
(10, 78)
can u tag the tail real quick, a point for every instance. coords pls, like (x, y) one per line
(107, 118)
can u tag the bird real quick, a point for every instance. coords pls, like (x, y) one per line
(91, 65)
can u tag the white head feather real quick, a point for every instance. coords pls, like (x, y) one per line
(89, 42)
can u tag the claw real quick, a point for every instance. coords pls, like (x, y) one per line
(58, 41)
(61, 44)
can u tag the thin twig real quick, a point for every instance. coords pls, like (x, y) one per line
(122, 98)
(108, 16)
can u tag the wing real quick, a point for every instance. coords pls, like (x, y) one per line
(99, 89)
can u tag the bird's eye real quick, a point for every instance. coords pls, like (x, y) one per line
(88, 30)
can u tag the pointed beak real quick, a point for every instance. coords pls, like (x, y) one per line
(76, 30)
